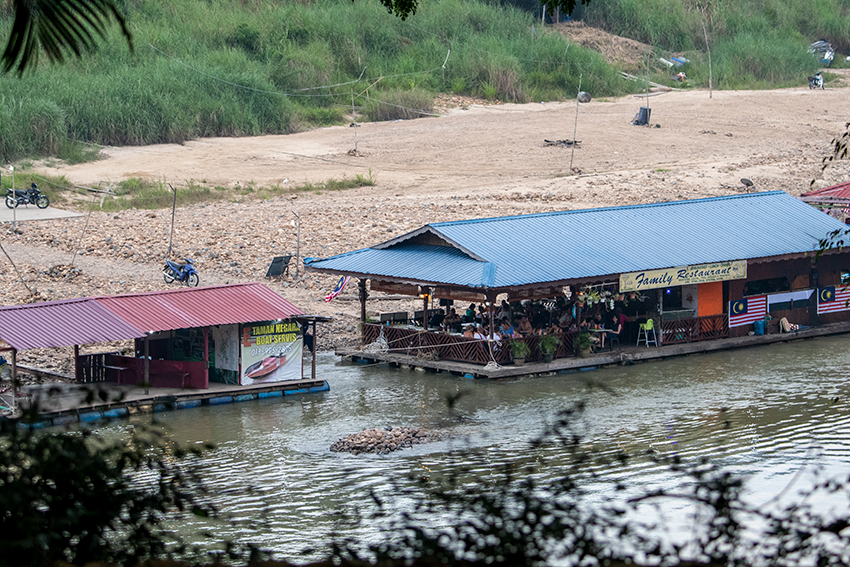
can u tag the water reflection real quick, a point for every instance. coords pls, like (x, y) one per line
(763, 412)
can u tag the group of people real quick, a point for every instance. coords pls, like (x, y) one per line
(604, 321)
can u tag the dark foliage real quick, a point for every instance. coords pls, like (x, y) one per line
(74, 497)
(58, 27)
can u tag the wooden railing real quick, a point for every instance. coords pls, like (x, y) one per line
(426, 344)
(91, 367)
(694, 329)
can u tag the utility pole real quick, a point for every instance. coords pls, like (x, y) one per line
(297, 244)
(173, 207)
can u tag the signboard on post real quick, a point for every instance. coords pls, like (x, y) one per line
(685, 275)
(271, 352)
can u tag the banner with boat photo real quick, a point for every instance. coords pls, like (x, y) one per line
(271, 352)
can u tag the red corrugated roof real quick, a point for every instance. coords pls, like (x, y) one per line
(107, 318)
(836, 194)
(62, 323)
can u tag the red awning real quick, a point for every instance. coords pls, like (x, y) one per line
(98, 319)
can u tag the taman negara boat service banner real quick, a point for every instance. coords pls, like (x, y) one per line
(271, 352)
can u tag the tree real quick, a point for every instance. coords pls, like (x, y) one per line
(64, 27)
(76, 497)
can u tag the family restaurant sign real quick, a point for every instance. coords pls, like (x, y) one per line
(704, 273)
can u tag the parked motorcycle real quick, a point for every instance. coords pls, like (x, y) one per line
(184, 273)
(816, 82)
(31, 196)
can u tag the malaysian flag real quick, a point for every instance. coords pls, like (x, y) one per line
(747, 311)
(832, 299)
(340, 285)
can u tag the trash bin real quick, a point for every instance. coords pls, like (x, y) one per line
(759, 327)
(643, 115)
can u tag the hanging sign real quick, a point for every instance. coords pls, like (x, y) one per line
(703, 273)
(271, 352)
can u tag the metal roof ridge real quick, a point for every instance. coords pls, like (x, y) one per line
(616, 208)
(45, 303)
(175, 291)
(422, 230)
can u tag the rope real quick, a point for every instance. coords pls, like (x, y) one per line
(379, 345)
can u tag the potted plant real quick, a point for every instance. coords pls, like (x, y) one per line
(519, 350)
(547, 345)
(583, 344)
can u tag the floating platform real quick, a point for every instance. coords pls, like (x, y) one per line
(62, 403)
(628, 355)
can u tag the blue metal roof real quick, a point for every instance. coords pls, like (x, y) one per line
(571, 245)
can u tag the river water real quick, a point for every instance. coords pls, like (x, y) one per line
(771, 413)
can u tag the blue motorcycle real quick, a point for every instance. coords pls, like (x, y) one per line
(184, 273)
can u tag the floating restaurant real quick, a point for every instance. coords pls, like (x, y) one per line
(692, 272)
(195, 343)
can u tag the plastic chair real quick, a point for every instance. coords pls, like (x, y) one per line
(611, 340)
(643, 333)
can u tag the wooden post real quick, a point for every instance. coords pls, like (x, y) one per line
(207, 358)
(14, 374)
(363, 296)
(425, 312)
(77, 363)
(313, 369)
(147, 365)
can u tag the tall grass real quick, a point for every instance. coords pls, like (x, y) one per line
(754, 44)
(218, 68)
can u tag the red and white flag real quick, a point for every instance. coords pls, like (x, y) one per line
(832, 299)
(340, 285)
(747, 311)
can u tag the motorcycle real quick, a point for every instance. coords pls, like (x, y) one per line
(31, 196)
(184, 273)
(816, 82)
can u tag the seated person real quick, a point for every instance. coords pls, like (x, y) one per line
(469, 331)
(479, 333)
(505, 329)
(615, 326)
(469, 316)
(436, 319)
(452, 319)
(524, 328)
(504, 311)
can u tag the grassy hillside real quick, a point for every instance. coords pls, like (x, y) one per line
(219, 68)
(754, 43)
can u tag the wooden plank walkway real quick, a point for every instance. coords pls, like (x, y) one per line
(61, 404)
(629, 355)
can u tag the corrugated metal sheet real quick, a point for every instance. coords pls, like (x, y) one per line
(440, 264)
(200, 307)
(99, 319)
(548, 247)
(62, 323)
(839, 194)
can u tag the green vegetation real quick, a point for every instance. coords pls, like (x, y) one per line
(136, 193)
(215, 68)
(753, 44)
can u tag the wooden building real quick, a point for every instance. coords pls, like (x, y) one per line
(706, 268)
